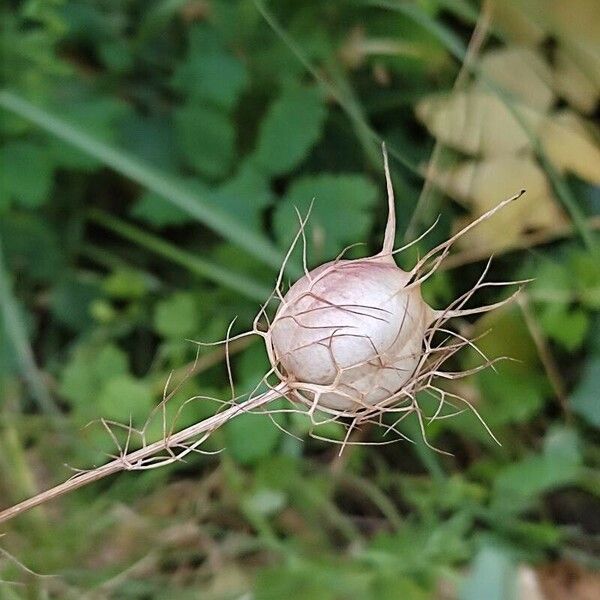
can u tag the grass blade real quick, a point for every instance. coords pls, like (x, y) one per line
(16, 334)
(199, 266)
(167, 187)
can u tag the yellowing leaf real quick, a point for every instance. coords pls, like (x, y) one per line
(574, 80)
(570, 146)
(483, 184)
(574, 19)
(476, 122)
(522, 71)
(515, 24)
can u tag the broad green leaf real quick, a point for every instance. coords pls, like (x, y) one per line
(245, 196)
(124, 397)
(340, 216)
(126, 284)
(585, 269)
(566, 326)
(31, 247)
(585, 399)
(510, 397)
(151, 139)
(493, 576)
(250, 437)
(518, 485)
(71, 302)
(152, 208)
(25, 174)
(177, 316)
(291, 127)
(89, 369)
(210, 73)
(206, 137)
(98, 117)
(157, 180)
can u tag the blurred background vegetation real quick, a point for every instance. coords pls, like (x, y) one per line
(152, 153)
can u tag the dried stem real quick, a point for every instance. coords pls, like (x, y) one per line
(135, 460)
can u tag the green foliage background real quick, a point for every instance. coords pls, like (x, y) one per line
(152, 155)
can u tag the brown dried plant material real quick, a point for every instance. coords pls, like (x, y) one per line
(565, 579)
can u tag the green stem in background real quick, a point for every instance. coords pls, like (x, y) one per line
(16, 333)
(166, 186)
(352, 109)
(457, 48)
(199, 266)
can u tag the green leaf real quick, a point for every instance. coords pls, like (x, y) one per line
(291, 127)
(341, 213)
(98, 118)
(518, 485)
(585, 399)
(210, 73)
(152, 209)
(586, 276)
(8, 361)
(151, 138)
(510, 397)
(71, 302)
(159, 181)
(206, 137)
(493, 577)
(244, 196)
(26, 174)
(124, 398)
(126, 284)
(31, 247)
(88, 371)
(251, 437)
(177, 317)
(567, 327)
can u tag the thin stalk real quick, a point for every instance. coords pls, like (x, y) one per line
(17, 335)
(199, 266)
(128, 461)
(346, 103)
(163, 184)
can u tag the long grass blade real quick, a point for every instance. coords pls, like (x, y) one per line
(166, 186)
(17, 336)
(199, 266)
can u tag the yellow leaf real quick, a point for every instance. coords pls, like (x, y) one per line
(522, 71)
(515, 24)
(476, 122)
(481, 185)
(577, 79)
(571, 146)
